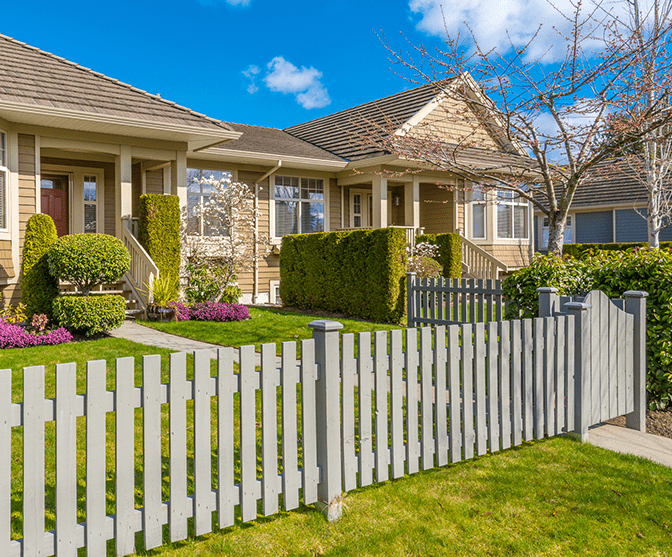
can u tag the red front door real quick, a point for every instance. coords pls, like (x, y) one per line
(55, 201)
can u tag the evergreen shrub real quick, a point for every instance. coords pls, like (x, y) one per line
(579, 250)
(359, 273)
(38, 286)
(450, 252)
(90, 315)
(159, 231)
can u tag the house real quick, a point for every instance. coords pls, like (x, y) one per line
(83, 147)
(610, 206)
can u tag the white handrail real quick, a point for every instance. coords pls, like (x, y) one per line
(143, 270)
(479, 263)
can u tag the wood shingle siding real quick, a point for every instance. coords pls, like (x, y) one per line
(27, 186)
(6, 263)
(154, 181)
(436, 209)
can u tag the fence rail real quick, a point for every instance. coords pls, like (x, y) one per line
(448, 301)
(352, 411)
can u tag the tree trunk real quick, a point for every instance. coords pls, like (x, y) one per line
(556, 233)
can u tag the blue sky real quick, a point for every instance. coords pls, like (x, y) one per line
(261, 62)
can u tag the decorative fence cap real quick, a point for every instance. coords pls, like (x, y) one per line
(547, 290)
(325, 325)
(636, 294)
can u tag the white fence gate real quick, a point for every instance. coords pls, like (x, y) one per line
(351, 411)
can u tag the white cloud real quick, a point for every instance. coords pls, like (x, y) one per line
(284, 77)
(250, 73)
(497, 24)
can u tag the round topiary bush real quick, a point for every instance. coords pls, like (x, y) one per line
(38, 286)
(87, 260)
(90, 315)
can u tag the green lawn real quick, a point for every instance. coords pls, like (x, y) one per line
(266, 325)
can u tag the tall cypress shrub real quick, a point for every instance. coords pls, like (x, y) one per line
(450, 252)
(38, 287)
(159, 231)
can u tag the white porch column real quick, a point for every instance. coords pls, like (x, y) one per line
(123, 187)
(379, 186)
(412, 203)
(178, 177)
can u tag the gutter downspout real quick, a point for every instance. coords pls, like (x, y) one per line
(255, 269)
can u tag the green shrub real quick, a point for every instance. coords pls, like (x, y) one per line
(90, 315)
(38, 286)
(359, 273)
(163, 290)
(87, 260)
(613, 272)
(579, 250)
(450, 252)
(159, 231)
(424, 267)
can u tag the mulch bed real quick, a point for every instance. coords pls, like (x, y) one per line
(657, 422)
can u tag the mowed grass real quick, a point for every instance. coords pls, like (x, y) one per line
(265, 325)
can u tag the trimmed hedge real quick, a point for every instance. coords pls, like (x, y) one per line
(159, 231)
(38, 286)
(360, 273)
(90, 315)
(579, 250)
(450, 252)
(87, 259)
(613, 272)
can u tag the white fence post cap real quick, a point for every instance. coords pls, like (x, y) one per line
(547, 290)
(636, 294)
(577, 305)
(325, 325)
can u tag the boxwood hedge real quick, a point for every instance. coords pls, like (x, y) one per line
(450, 252)
(90, 315)
(578, 250)
(359, 273)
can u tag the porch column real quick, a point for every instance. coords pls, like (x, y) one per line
(178, 177)
(123, 187)
(412, 203)
(379, 187)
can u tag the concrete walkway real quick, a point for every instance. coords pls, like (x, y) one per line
(151, 337)
(628, 441)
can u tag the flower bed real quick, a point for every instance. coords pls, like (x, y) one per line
(209, 311)
(15, 336)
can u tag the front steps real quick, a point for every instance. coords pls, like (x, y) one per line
(133, 308)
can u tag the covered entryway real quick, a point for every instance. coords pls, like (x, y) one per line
(54, 200)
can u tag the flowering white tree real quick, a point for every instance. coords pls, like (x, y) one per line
(225, 244)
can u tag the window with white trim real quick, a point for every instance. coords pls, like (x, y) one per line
(90, 203)
(4, 179)
(198, 194)
(512, 212)
(299, 205)
(567, 239)
(478, 213)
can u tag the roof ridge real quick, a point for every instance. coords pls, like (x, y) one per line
(113, 80)
(369, 103)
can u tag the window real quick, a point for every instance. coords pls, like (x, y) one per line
(90, 203)
(198, 194)
(4, 178)
(478, 213)
(299, 205)
(544, 232)
(511, 215)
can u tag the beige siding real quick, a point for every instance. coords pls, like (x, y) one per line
(453, 121)
(436, 209)
(334, 205)
(154, 181)
(6, 262)
(511, 255)
(10, 295)
(245, 280)
(27, 202)
(461, 208)
(136, 184)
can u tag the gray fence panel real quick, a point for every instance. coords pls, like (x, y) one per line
(455, 437)
(153, 517)
(468, 434)
(269, 430)
(202, 451)
(412, 363)
(227, 494)
(309, 421)
(492, 388)
(480, 389)
(291, 477)
(179, 503)
(348, 374)
(380, 374)
(560, 372)
(397, 403)
(516, 384)
(528, 379)
(5, 461)
(549, 375)
(426, 398)
(504, 373)
(440, 408)
(365, 369)
(248, 435)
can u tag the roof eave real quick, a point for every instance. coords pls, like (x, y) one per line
(250, 157)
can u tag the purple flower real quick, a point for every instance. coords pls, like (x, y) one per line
(15, 336)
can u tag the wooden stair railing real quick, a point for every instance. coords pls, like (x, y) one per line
(143, 270)
(478, 263)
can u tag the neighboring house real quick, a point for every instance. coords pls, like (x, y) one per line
(83, 147)
(608, 207)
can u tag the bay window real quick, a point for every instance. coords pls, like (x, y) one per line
(299, 205)
(512, 215)
(199, 190)
(4, 179)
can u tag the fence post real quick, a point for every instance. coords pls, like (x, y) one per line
(635, 304)
(549, 301)
(328, 410)
(582, 399)
(410, 300)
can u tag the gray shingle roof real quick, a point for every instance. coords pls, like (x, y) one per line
(337, 132)
(272, 141)
(31, 76)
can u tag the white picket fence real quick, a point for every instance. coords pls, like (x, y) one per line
(448, 301)
(351, 412)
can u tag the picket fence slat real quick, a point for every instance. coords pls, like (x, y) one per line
(397, 403)
(309, 421)
(538, 380)
(348, 374)
(559, 373)
(620, 364)
(291, 481)
(468, 435)
(365, 369)
(269, 431)
(441, 418)
(517, 366)
(5, 461)
(426, 387)
(380, 374)
(248, 434)
(202, 451)
(569, 366)
(412, 363)
(629, 364)
(227, 494)
(604, 358)
(151, 451)
(504, 374)
(549, 375)
(492, 387)
(479, 388)
(179, 503)
(454, 423)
